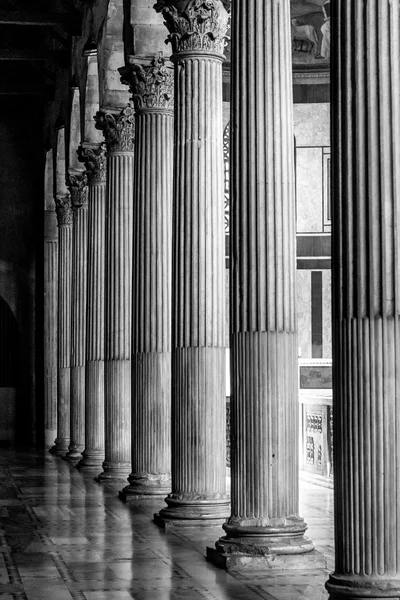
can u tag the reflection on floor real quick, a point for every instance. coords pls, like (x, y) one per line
(64, 536)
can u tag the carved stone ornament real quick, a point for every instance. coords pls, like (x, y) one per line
(152, 86)
(196, 25)
(118, 130)
(77, 185)
(64, 210)
(95, 161)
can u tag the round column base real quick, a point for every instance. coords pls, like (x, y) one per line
(146, 486)
(74, 455)
(114, 472)
(281, 544)
(193, 513)
(91, 461)
(61, 446)
(353, 587)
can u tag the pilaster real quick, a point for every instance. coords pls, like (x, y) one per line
(77, 184)
(199, 496)
(95, 161)
(118, 130)
(152, 85)
(366, 296)
(65, 220)
(264, 529)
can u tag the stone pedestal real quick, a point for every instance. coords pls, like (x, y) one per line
(265, 530)
(77, 183)
(65, 219)
(96, 164)
(199, 494)
(152, 84)
(50, 326)
(118, 131)
(366, 298)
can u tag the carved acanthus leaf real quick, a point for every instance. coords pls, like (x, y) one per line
(152, 85)
(95, 161)
(64, 210)
(118, 130)
(196, 25)
(77, 185)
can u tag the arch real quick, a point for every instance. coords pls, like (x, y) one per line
(114, 95)
(9, 344)
(91, 135)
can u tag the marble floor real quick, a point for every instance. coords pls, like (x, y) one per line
(63, 536)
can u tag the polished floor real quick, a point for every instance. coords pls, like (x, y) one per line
(64, 536)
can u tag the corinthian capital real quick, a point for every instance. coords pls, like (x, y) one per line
(118, 130)
(95, 161)
(77, 185)
(151, 82)
(196, 25)
(64, 210)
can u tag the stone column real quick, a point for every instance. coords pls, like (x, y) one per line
(152, 85)
(366, 298)
(65, 219)
(199, 494)
(118, 131)
(95, 161)
(77, 183)
(50, 325)
(265, 529)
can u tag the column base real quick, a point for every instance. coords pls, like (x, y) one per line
(193, 513)
(61, 446)
(144, 486)
(245, 562)
(280, 544)
(114, 472)
(74, 456)
(354, 587)
(91, 461)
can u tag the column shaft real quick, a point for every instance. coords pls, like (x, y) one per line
(79, 193)
(366, 294)
(50, 326)
(152, 262)
(198, 297)
(93, 455)
(265, 528)
(64, 215)
(119, 132)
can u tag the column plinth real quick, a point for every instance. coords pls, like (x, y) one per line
(50, 325)
(264, 530)
(199, 496)
(366, 298)
(151, 82)
(77, 183)
(118, 130)
(96, 164)
(65, 220)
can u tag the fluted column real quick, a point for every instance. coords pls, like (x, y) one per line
(366, 298)
(96, 165)
(199, 494)
(152, 85)
(265, 529)
(77, 183)
(50, 325)
(65, 219)
(119, 135)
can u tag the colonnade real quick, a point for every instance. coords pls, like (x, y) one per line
(155, 261)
